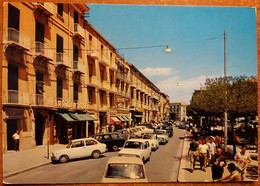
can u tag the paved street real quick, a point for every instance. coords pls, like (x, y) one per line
(91, 170)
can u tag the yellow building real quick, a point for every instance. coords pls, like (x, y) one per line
(63, 80)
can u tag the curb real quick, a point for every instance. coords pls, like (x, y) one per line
(25, 170)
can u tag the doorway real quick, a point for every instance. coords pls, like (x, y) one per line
(39, 128)
(11, 129)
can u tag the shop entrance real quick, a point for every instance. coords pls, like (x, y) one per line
(39, 128)
(11, 129)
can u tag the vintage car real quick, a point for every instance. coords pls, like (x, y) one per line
(138, 148)
(79, 148)
(126, 133)
(168, 129)
(144, 129)
(153, 140)
(122, 169)
(112, 140)
(162, 136)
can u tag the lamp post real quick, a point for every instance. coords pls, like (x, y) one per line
(225, 76)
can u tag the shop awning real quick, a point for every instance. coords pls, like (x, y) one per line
(114, 120)
(126, 118)
(88, 117)
(66, 116)
(120, 118)
(138, 116)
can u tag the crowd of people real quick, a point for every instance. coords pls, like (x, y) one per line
(208, 152)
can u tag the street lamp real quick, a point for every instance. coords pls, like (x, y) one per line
(168, 49)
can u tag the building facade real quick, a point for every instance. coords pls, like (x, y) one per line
(180, 109)
(63, 80)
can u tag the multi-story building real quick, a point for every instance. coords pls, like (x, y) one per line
(63, 80)
(180, 109)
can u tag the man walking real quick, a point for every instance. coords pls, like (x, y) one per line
(243, 159)
(218, 162)
(204, 154)
(16, 140)
(193, 152)
(212, 149)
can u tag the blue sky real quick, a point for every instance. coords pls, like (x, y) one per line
(188, 31)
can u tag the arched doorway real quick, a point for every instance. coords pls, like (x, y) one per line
(39, 128)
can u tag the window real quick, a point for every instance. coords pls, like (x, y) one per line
(59, 48)
(12, 84)
(107, 137)
(90, 96)
(90, 142)
(39, 30)
(60, 9)
(75, 92)
(59, 88)
(76, 17)
(75, 53)
(111, 100)
(39, 83)
(77, 144)
(102, 75)
(13, 17)
(90, 66)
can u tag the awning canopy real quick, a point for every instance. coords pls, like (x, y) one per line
(66, 116)
(114, 120)
(88, 117)
(73, 116)
(138, 116)
(126, 118)
(120, 118)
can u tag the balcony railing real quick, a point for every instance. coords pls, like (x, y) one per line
(122, 76)
(15, 97)
(78, 66)
(16, 38)
(79, 30)
(104, 59)
(62, 59)
(67, 104)
(41, 51)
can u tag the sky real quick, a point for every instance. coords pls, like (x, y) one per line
(195, 36)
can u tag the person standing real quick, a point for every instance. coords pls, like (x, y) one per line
(16, 138)
(218, 162)
(204, 154)
(193, 152)
(243, 159)
(212, 149)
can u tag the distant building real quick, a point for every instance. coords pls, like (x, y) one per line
(180, 109)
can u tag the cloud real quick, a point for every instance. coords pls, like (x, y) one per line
(181, 90)
(157, 71)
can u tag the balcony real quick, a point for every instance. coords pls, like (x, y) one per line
(104, 60)
(15, 39)
(104, 85)
(15, 97)
(92, 106)
(79, 31)
(78, 67)
(113, 66)
(122, 76)
(79, 105)
(123, 93)
(103, 107)
(62, 60)
(92, 81)
(46, 8)
(43, 101)
(42, 53)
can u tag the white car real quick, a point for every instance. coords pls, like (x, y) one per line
(162, 136)
(136, 147)
(145, 130)
(122, 169)
(153, 140)
(79, 148)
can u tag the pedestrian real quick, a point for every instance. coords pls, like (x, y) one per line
(233, 176)
(204, 154)
(212, 149)
(243, 159)
(193, 153)
(16, 138)
(218, 163)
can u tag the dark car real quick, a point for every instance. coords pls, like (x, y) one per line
(168, 129)
(112, 140)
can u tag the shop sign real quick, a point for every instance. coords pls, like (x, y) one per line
(120, 105)
(120, 100)
(14, 114)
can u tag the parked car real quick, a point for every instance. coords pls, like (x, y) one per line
(147, 125)
(126, 133)
(138, 148)
(162, 136)
(168, 129)
(124, 170)
(112, 140)
(79, 148)
(145, 129)
(153, 140)
(138, 132)
(182, 125)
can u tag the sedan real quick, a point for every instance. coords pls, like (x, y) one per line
(138, 148)
(112, 140)
(162, 136)
(153, 140)
(79, 148)
(124, 170)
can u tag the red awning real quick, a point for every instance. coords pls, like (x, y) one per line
(114, 120)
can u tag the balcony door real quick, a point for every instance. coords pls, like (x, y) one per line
(39, 88)
(13, 23)
(12, 84)
(39, 37)
(11, 129)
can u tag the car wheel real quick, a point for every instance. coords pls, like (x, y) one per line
(96, 154)
(115, 148)
(64, 158)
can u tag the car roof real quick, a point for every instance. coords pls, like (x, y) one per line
(106, 134)
(80, 139)
(137, 139)
(124, 159)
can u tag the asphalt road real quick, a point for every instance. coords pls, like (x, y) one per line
(163, 167)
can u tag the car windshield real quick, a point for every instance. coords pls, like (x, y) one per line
(125, 171)
(133, 145)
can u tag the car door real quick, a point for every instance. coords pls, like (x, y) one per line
(77, 149)
(146, 152)
(91, 145)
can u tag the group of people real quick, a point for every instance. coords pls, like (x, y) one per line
(211, 155)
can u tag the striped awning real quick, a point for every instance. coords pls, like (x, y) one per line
(120, 118)
(114, 120)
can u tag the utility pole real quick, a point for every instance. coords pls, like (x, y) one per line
(225, 76)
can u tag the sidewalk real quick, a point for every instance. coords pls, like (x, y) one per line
(16, 162)
(200, 176)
